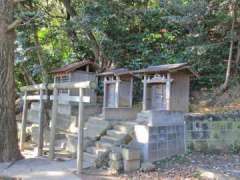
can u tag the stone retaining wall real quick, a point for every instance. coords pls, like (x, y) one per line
(213, 132)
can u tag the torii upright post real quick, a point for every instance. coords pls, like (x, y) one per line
(80, 133)
(53, 124)
(41, 123)
(24, 121)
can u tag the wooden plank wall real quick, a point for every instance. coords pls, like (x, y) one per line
(180, 92)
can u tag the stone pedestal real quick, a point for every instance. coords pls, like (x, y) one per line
(161, 134)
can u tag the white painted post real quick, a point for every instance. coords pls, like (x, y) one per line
(80, 132)
(87, 68)
(41, 123)
(168, 91)
(117, 92)
(24, 121)
(53, 124)
(144, 108)
(105, 92)
(131, 93)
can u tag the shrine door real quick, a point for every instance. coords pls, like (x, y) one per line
(158, 97)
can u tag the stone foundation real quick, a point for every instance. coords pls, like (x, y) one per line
(160, 134)
(119, 113)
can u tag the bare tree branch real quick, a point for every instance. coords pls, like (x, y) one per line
(14, 24)
(228, 72)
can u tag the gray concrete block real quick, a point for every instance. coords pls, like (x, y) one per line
(106, 145)
(116, 164)
(147, 166)
(111, 140)
(120, 113)
(115, 133)
(115, 156)
(130, 154)
(160, 117)
(131, 165)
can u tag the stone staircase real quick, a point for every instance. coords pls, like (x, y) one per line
(95, 127)
(115, 135)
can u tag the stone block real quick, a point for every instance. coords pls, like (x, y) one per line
(130, 154)
(160, 117)
(95, 129)
(131, 165)
(117, 165)
(147, 166)
(72, 143)
(119, 113)
(115, 156)
(113, 172)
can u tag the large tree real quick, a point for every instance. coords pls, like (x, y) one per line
(9, 150)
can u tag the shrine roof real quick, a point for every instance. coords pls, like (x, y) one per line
(166, 68)
(74, 66)
(118, 72)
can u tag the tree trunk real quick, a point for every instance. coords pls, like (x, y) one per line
(238, 53)
(9, 150)
(39, 56)
(27, 76)
(228, 72)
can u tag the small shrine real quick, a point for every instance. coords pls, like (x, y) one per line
(166, 87)
(118, 95)
(77, 72)
(118, 87)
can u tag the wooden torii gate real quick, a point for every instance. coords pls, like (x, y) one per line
(55, 98)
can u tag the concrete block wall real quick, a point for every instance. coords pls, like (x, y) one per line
(213, 132)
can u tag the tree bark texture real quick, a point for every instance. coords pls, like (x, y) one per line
(9, 150)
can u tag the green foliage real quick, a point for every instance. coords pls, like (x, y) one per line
(132, 34)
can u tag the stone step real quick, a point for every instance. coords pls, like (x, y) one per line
(96, 128)
(106, 145)
(91, 150)
(129, 123)
(95, 150)
(88, 157)
(122, 128)
(115, 133)
(97, 123)
(102, 123)
(111, 140)
(93, 133)
(96, 118)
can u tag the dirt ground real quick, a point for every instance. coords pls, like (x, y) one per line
(193, 166)
(190, 167)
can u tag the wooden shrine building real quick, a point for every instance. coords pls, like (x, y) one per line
(118, 88)
(166, 87)
(77, 72)
(118, 95)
